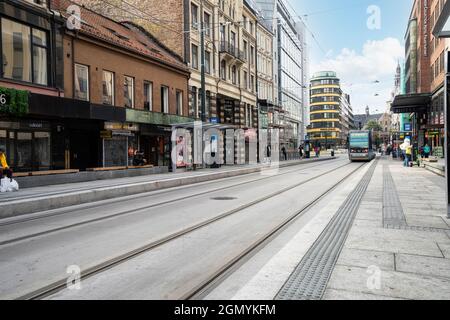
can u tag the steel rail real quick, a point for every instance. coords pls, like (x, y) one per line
(62, 284)
(204, 288)
(126, 212)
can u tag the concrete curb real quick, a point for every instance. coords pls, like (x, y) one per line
(435, 168)
(32, 205)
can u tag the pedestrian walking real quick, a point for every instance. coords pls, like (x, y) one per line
(269, 152)
(300, 151)
(283, 150)
(426, 151)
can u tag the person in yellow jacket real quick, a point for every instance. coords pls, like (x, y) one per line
(408, 152)
(4, 168)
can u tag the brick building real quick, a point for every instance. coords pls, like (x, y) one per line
(113, 90)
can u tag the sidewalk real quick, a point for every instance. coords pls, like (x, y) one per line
(399, 245)
(64, 195)
(396, 245)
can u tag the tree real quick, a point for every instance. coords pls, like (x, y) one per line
(374, 125)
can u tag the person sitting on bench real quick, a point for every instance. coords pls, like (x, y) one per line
(4, 168)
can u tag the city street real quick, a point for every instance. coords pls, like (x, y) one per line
(218, 239)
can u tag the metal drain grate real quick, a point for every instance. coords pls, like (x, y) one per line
(393, 215)
(310, 278)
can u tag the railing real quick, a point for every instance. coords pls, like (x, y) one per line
(233, 50)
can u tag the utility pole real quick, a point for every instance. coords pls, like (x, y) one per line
(202, 49)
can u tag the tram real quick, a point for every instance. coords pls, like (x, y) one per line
(361, 146)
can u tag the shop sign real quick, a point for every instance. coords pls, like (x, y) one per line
(122, 133)
(408, 127)
(121, 126)
(147, 117)
(106, 134)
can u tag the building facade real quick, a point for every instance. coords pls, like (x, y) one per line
(97, 112)
(425, 101)
(266, 82)
(326, 115)
(347, 118)
(31, 70)
(290, 70)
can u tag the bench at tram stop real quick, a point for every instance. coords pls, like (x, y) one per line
(44, 173)
(102, 169)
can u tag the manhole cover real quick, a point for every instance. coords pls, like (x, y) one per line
(223, 198)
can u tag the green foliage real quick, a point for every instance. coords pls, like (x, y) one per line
(15, 102)
(373, 125)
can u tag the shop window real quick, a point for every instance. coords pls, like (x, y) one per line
(108, 88)
(81, 82)
(42, 149)
(24, 53)
(24, 150)
(128, 87)
(148, 96)
(164, 99)
(179, 103)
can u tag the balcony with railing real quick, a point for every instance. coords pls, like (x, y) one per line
(231, 53)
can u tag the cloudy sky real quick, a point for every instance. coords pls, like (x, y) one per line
(362, 40)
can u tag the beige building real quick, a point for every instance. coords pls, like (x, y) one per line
(267, 89)
(230, 50)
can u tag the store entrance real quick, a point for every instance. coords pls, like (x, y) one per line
(83, 150)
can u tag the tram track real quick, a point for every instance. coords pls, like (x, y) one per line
(60, 285)
(131, 211)
(208, 285)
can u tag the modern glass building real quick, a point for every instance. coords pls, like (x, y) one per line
(290, 69)
(325, 110)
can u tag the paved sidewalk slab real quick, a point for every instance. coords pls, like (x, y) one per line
(410, 262)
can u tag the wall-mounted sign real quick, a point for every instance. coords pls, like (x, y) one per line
(408, 127)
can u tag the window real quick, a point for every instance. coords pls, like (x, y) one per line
(233, 74)
(164, 99)
(128, 93)
(252, 83)
(194, 56)
(252, 55)
(207, 62)
(108, 88)
(194, 16)
(245, 80)
(81, 82)
(179, 103)
(207, 24)
(148, 96)
(223, 70)
(233, 42)
(245, 50)
(24, 53)
(222, 35)
(251, 27)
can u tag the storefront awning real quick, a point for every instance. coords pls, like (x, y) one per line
(411, 103)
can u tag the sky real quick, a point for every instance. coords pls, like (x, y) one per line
(362, 40)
